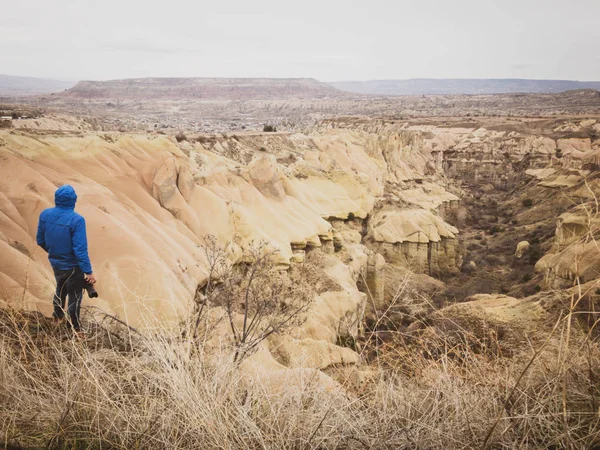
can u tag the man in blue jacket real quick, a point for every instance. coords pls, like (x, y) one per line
(61, 232)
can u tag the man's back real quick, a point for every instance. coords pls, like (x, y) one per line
(62, 233)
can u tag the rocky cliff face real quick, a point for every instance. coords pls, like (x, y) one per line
(416, 239)
(575, 256)
(357, 204)
(535, 175)
(149, 201)
(501, 157)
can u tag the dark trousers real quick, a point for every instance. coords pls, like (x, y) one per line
(69, 283)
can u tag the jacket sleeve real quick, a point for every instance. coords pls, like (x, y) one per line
(41, 232)
(80, 246)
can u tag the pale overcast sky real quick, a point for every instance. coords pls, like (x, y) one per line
(325, 39)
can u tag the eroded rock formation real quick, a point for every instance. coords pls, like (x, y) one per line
(365, 205)
(149, 201)
(417, 239)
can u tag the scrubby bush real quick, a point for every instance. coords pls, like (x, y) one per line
(494, 260)
(266, 299)
(527, 202)
(269, 129)
(468, 268)
(534, 254)
(180, 137)
(497, 229)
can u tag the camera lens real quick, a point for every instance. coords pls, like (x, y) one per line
(92, 293)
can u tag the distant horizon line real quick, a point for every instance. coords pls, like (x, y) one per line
(60, 79)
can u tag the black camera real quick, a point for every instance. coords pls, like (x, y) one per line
(92, 293)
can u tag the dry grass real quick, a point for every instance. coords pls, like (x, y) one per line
(124, 390)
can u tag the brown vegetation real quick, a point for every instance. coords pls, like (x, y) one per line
(449, 383)
(257, 300)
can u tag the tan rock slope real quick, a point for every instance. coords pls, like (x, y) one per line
(149, 201)
(369, 198)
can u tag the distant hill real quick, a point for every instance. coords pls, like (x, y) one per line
(203, 89)
(421, 86)
(15, 86)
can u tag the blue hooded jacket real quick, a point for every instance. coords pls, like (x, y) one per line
(61, 232)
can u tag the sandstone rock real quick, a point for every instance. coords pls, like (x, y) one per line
(429, 196)
(338, 240)
(541, 174)
(593, 157)
(574, 145)
(409, 225)
(577, 261)
(185, 183)
(375, 280)
(148, 204)
(561, 180)
(311, 353)
(542, 144)
(575, 254)
(328, 246)
(334, 315)
(266, 179)
(572, 226)
(298, 256)
(416, 239)
(400, 281)
(160, 206)
(522, 248)
(499, 307)
(164, 187)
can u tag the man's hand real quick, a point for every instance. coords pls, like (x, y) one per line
(90, 278)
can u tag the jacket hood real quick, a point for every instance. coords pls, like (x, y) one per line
(65, 196)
